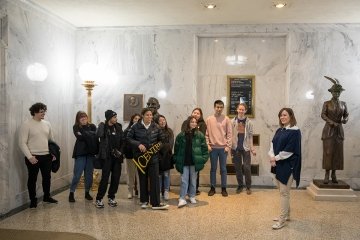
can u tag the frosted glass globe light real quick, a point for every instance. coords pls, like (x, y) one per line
(162, 94)
(36, 72)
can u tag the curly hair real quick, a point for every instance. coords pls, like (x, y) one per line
(37, 107)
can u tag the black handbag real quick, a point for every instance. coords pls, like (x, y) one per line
(98, 163)
(116, 154)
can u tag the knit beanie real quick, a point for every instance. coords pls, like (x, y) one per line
(109, 114)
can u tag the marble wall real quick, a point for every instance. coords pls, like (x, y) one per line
(288, 60)
(262, 55)
(34, 36)
(3, 123)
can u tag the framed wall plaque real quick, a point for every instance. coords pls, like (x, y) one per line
(133, 103)
(241, 89)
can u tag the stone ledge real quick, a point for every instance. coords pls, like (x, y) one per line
(327, 194)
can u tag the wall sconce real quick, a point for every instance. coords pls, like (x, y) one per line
(36, 72)
(88, 73)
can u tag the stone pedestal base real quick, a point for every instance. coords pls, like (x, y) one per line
(324, 192)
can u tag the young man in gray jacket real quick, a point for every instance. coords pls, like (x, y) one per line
(242, 147)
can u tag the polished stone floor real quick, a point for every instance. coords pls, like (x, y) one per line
(238, 216)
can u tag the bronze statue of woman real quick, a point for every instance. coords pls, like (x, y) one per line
(335, 113)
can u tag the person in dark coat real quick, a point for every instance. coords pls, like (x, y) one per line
(285, 161)
(165, 163)
(142, 136)
(110, 152)
(190, 156)
(84, 154)
(201, 125)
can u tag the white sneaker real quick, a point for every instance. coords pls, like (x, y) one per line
(144, 205)
(99, 204)
(112, 202)
(278, 225)
(182, 203)
(193, 200)
(130, 196)
(166, 195)
(161, 206)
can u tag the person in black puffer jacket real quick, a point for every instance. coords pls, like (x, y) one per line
(142, 136)
(110, 153)
(128, 152)
(165, 163)
(84, 153)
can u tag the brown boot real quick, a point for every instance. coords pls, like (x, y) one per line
(326, 179)
(333, 177)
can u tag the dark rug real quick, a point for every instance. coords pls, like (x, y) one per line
(15, 234)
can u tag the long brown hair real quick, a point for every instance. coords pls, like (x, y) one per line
(291, 115)
(79, 115)
(201, 119)
(188, 128)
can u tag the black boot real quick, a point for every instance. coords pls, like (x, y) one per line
(71, 197)
(326, 179)
(88, 196)
(212, 191)
(224, 192)
(33, 203)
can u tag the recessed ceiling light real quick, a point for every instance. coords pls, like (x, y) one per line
(280, 4)
(209, 5)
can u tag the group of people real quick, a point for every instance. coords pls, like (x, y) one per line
(199, 139)
(149, 137)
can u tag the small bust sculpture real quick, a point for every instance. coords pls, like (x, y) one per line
(154, 105)
(334, 113)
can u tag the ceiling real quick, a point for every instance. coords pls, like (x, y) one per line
(112, 13)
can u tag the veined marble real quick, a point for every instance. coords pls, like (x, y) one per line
(185, 62)
(33, 37)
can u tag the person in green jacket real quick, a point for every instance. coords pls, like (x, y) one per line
(190, 156)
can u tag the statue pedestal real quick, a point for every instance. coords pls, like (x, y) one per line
(339, 192)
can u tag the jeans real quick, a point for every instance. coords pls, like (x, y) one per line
(44, 165)
(188, 182)
(215, 154)
(242, 158)
(83, 164)
(166, 175)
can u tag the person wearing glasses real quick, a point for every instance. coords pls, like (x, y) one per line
(34, 135)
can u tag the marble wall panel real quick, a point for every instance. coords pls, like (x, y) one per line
(313, 55)
(143, 62)
(266, 59)
(34, 36)
(4, 163)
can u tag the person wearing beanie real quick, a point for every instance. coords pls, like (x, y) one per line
(110, 153)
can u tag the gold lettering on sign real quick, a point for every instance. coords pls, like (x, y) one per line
(142, 161)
